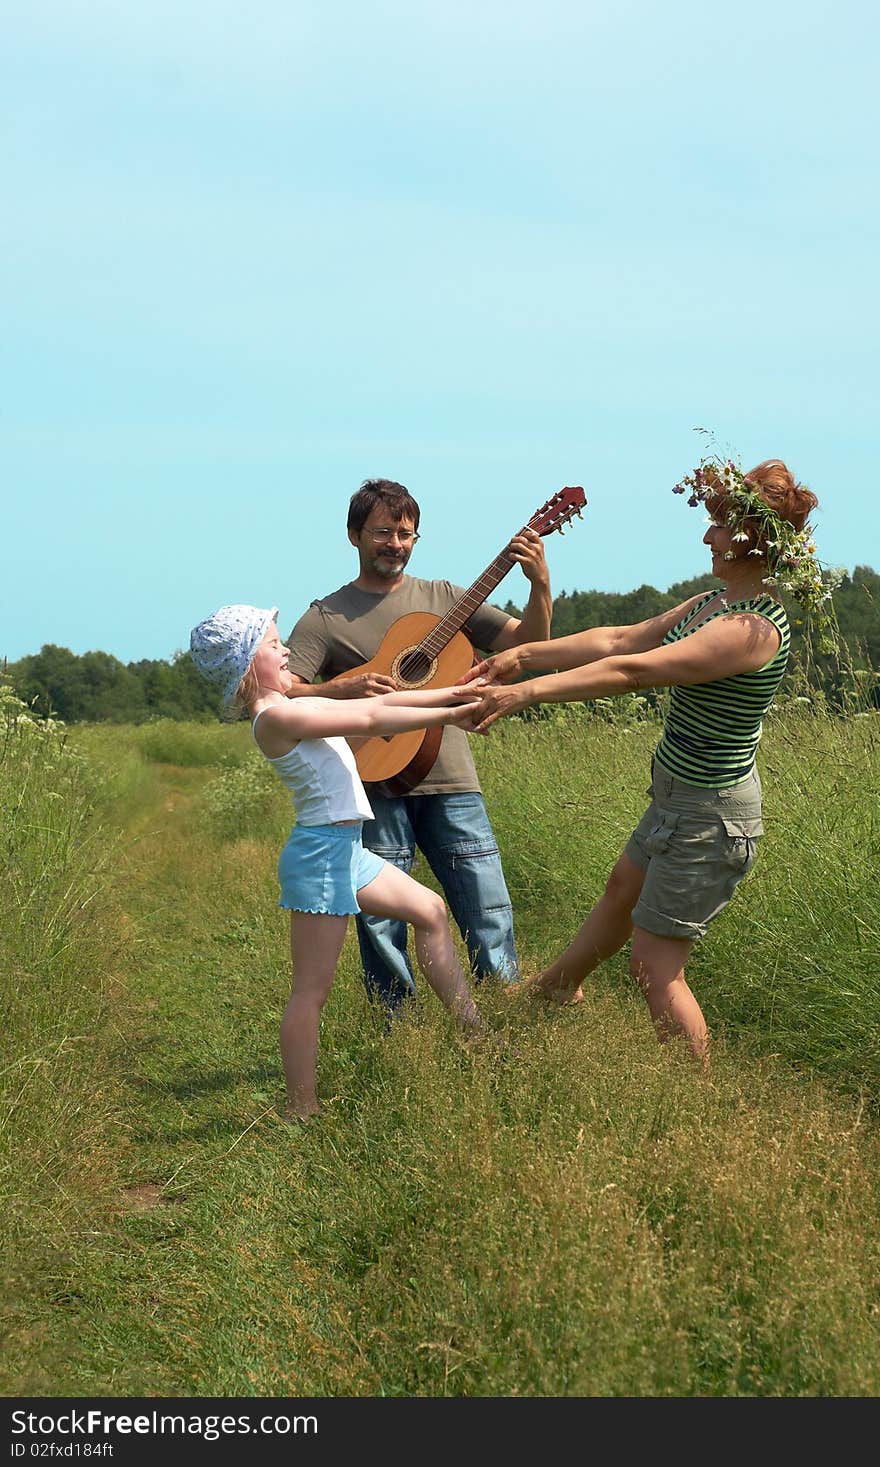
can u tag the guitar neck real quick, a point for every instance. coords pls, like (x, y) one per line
(467, 604)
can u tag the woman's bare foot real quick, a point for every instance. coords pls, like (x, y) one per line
(556, 990)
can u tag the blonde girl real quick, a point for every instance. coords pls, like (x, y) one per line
(325, 873)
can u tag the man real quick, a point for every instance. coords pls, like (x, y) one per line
(444, 816)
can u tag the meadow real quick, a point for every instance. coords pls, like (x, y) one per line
(576, 1212)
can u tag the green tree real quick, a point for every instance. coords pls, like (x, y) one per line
(98, 687)
(52, 681)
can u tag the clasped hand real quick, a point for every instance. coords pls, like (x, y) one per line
(487, 679)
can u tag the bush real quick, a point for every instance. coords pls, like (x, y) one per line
(247, 800)
(193, 745)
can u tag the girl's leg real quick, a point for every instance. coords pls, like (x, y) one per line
(395, 894)
(657, 964)
(316, 940)
(604, 933)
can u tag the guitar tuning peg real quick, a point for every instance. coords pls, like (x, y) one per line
(562, 529)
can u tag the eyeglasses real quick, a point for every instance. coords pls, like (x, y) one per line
(406, 537)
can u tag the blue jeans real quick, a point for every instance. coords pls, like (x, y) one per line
(454, 835)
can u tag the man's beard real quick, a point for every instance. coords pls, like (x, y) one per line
(388, 567)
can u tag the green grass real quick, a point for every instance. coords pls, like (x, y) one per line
(192, 745)
(577, 1214)
(794, 966)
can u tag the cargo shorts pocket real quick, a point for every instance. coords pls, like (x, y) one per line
(661, 833)
(742, 842)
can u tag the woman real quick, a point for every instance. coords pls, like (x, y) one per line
(324, 872)
(723, 654)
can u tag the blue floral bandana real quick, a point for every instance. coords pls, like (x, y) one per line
(223, 645)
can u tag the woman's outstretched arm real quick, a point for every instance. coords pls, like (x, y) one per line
(593, 645)
(721, 648)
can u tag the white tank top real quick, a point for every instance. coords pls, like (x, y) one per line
(323, 780)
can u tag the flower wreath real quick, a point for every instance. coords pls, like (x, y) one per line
(792, 565)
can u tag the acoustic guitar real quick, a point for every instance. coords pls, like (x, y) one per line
(422, 650)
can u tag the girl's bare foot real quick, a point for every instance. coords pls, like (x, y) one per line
(301, 1113)
(490, 1042)
(468, 1019)
(467, 1015)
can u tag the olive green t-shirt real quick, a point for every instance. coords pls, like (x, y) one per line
(344, 630)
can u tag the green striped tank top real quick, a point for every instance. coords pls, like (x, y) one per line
(712, 730)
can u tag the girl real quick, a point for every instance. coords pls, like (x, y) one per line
(325, 874)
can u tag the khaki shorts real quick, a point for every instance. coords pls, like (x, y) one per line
(695, 846)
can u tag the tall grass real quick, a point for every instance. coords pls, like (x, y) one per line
(575, 1214)
(61, 949)
(793, 965)
(192, 745)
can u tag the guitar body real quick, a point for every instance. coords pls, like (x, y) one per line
(403, 760)
(419, 652)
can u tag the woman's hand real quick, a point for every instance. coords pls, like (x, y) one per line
(462, 715)
(502, 668)
(494, 703)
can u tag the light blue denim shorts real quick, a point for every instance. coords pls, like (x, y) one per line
(695, 846)
(323, 867)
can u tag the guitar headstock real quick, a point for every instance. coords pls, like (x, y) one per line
(559, 510)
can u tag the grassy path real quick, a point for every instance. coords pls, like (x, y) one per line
(577, 1216)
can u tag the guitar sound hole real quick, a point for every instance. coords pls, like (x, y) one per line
(414, 667)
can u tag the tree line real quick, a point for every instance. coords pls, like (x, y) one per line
(96, 687)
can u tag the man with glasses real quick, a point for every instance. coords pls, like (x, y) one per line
(444, 816)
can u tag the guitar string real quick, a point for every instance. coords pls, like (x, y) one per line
(432, 645)
(454, 619)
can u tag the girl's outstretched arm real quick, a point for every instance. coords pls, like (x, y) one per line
(282, 725)
(420, 698)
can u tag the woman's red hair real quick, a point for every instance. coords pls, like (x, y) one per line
(777, 486)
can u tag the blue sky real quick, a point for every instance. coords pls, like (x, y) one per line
(254, 254)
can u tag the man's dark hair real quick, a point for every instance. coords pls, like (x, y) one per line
(395, 497)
